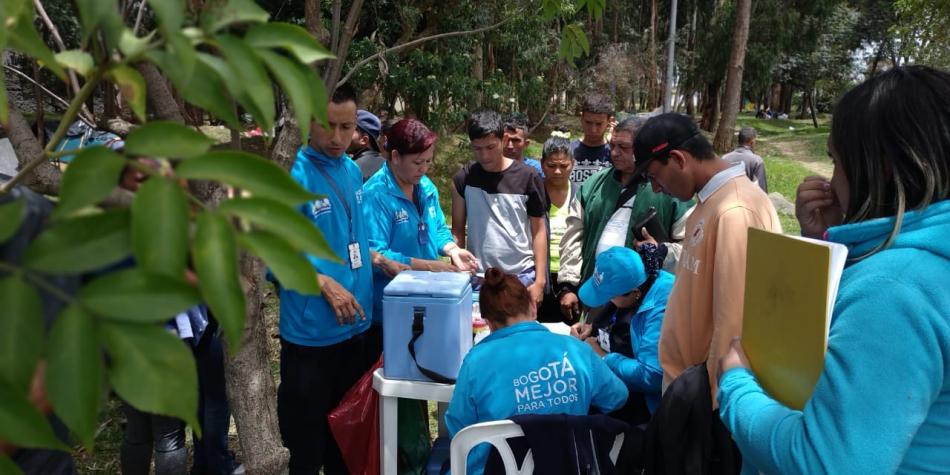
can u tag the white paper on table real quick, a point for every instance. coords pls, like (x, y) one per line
(560, 328)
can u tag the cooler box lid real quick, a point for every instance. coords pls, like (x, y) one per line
(418, 283)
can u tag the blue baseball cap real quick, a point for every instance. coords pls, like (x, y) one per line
(617, 271)
(367, 122)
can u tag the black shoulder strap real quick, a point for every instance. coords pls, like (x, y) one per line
(418, 328)
(627, 193)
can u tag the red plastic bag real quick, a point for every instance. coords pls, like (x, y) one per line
(355, 425)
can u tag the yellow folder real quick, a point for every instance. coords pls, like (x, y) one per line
(790, 288)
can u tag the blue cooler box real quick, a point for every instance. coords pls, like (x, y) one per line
(437, 304)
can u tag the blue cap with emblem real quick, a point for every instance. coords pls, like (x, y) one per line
(617, 271)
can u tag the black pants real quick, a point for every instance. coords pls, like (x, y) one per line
(312, 382)
(142, 431)
(372, 345)
(211, 454)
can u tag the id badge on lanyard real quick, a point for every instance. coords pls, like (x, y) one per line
(353, 248)
(356, 259)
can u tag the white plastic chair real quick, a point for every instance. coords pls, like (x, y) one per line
(497, 434)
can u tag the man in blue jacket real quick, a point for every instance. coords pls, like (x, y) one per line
(322, 336)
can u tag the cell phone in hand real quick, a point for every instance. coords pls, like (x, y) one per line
(650, 221)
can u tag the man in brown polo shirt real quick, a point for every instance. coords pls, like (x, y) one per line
(704, 312)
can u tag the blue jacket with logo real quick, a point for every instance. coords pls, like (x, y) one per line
(307, 319)
(393, 225)
(643, 372)
(882, 403)
(526, 369)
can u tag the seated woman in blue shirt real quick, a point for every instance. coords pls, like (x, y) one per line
(882, 403)
(522, 368)
(628, 331)
(402, 211)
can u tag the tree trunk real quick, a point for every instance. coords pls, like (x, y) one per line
(315, 26)
(787, 92)
(160, 97)
(775, 97)
(110, 106)
(733, 92)
(814, 116)
(252, 393)
(806, 98)
(710, 106)
(616, 22)
(45, 178)
(654, 72)
(287, 143)
(40, 107)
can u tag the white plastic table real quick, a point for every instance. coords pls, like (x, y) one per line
(389, 390)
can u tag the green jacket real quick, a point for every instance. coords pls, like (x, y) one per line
(593, 208)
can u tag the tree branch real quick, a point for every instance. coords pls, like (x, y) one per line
(398, 48)
(349, 29)
(73, 79)
(138, 19)
(28, 78)
(42, 157)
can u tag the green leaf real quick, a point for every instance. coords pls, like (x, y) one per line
(222, 14)
(292, 38)
(280, 219)
(295, 85)
(132, 46)
(22, 424)
(134, 295)
(245, 170)
(170, 13)
(160, 227)
(166, 139)
(21, 332)
(89, 178)
(582, 40)
(180, 58)
(596, 7)
(132, 86)
(77, 60)
(24, 38)
(549, 9)
(11, 215)
(216, 261)
(153, 370)
(7, 467)
(291, 267)
(206, 90)
(82, 244)
(74, 372)
(94, 13)
(247, 68)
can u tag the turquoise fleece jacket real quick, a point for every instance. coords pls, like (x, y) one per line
(392, 222)
(526, 369)
(308, 320)
(882, 404)
(643, 373)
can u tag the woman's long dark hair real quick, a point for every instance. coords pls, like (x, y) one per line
(891, 136)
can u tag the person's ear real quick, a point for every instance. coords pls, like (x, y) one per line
(394, 155)
(527, 141)
(678, 157)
